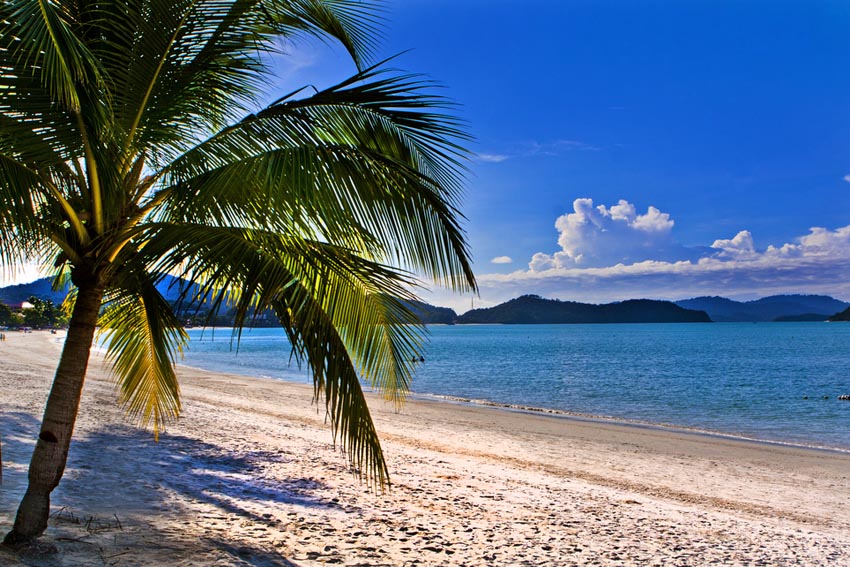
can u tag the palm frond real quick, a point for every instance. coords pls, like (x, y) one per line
(144, 338)
(20, 141)
(336, 383)
(348, 164)
(401, 110)
(22, 232)
(366, 301)
(351, 22)
(347, 317)
(40, 41)
(177, 68)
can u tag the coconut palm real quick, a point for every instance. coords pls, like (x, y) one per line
(133, 145)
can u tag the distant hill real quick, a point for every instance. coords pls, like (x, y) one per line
(534, 309)
(843, 316)
(805, 317)
(17, 294)
(530, 309)
(433, 315)
(174, 289)
(772, 308)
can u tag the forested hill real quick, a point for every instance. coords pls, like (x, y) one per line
(170, 288)
(772, 308)
(15, 294)
(843, 316)
(175, 289)
(531, 309)
(432, 315)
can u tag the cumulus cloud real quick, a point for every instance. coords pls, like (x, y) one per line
(816, 263)
(826, 242)
(846, 178)
(594, 236)
(502, 260)
(741, 246)
(611, 253)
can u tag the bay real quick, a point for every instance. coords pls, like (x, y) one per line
(776, 382)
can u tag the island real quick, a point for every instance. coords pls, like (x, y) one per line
(533, 309)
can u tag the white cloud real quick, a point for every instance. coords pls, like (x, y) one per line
(613, 253)
(846, 178)
(741, 246)
(534, 149)
(594, 236)
(653, 221)
(293, 59)
(826, 242)
(492, 158)
(558, 147)
(502, 260)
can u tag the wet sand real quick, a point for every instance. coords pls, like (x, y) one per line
(249, 476)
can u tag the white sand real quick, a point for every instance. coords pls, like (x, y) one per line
(249, 477)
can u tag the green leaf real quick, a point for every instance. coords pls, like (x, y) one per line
(144, 338)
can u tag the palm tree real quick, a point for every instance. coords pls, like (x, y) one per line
(129, 150)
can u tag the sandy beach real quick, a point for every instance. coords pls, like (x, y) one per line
(249, 477)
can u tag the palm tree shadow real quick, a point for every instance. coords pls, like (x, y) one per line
(17, 438)
(120, 472)
(251, 555)
(236, 481)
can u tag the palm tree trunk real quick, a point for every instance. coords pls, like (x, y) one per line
(60, 414)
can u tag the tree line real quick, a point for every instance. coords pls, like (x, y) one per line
(43, 314)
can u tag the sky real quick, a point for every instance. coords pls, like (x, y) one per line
(622, 149)
(659, 149)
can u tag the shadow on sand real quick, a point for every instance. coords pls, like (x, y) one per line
(119, 477)
(17, 435)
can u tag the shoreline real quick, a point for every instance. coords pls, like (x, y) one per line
(249, 476)
(773, 401)
(603, 419)
(562, 414)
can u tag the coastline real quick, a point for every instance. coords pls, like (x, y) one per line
(249, 476)
(558, 414)
(784, 394)
(617, 421)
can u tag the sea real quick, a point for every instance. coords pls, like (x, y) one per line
(773, 382)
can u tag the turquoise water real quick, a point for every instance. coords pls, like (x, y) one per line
(765, 381)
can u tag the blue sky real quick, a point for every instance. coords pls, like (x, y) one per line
(661, 149)
(714, 135)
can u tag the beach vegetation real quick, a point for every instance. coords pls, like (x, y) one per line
(144, 138)
(9, 317)
(43, 314)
